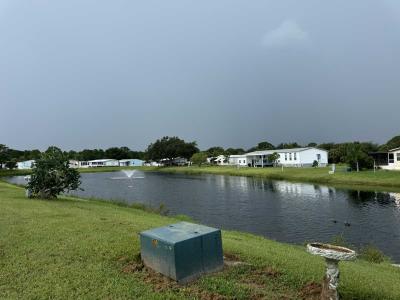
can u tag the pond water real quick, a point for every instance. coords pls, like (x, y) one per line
(280, 210)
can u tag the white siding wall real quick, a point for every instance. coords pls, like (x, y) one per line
(111, 163)
(307, 157)
(396, 164)
(238, 161)
(292, 158)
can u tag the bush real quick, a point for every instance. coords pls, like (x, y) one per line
(11, 165)
(315, 164)
(339, 240)
(372, 254)
(51, 175)
(199, 158)
(369, 253)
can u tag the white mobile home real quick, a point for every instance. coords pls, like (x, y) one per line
(100, 163)
(238, 160)
(73, 163)
(388, 160)
(295, 157)
(177, 161)
(23, 165)
(220, 160)
(131, 162)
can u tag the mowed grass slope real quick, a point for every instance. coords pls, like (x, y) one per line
(380, 178)
(79, 249)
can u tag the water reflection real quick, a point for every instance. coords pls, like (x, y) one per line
(361, 197)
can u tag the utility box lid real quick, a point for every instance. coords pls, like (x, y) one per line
(178, 232)
(182, 251)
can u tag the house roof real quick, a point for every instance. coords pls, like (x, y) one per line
(102, 160)
(395, 149)
(237, 155)
(130, 159)
(26, 161)
(266, 152)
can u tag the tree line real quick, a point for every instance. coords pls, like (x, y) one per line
(9, 157)
(353, 153)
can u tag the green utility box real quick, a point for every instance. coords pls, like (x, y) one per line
(182, 251)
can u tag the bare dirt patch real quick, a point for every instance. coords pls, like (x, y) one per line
(311, 291)
(232, 260)
(162, 283)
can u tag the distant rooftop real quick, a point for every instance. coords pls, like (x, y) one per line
(101, 160)
(266, 152)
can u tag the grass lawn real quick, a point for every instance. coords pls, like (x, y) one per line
(75, 248)
(382, 178)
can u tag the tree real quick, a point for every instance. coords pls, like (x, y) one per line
(234, 151)
(273, 158)
(88, 154)
(170, 148)
(265, 146)
(312, 145)
(391, 144)
(288, 145)
(262, 146)
(357, 158)
(199, 158)
(4, 155)
(117, 153)
(215, 151)
(51, 175)
(11, 164)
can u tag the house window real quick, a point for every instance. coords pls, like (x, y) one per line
(391, 158)
(294, 156)
(290, 156)
(318, 157)
(285, 156)
(398, 156)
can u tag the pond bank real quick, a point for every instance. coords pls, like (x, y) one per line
(75, 248)
(382, 179)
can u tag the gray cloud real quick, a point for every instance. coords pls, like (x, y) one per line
(287, 33)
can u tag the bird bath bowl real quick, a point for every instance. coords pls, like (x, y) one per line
(332, 254)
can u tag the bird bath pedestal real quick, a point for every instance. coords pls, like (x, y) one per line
(332, 254)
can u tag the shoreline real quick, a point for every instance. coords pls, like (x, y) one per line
(382, 180)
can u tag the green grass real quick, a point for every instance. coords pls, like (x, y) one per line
(382, 178)
(80, 249)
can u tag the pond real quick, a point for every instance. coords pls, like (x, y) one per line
(280, 210)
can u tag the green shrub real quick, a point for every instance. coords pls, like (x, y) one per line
(372, 254)
(51, 175)
(339, 240)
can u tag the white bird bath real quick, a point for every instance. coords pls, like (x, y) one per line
(332, 254)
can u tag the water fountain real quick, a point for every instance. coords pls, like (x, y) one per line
(128, 175)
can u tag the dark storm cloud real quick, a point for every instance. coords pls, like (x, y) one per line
(97, 73)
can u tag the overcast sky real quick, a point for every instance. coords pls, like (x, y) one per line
(88, 74)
